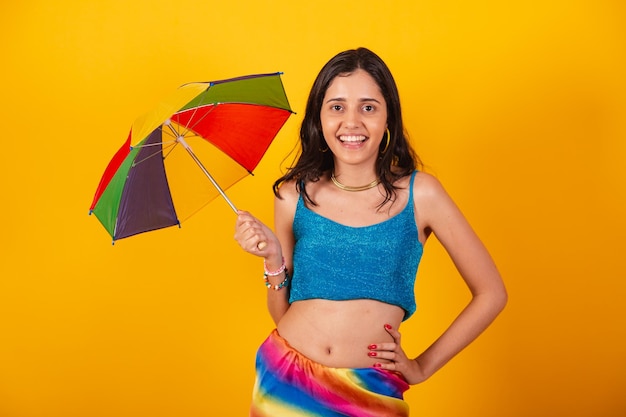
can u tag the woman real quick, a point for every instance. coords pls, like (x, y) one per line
(351, 218)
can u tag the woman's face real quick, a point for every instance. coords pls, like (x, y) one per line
(354, 117)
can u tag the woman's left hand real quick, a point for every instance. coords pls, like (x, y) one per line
(396, 359)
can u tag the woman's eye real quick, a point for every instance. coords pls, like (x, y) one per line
(336, 107)
(368, 108)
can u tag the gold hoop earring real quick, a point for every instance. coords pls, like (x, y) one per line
(324, 150)
(386, 144)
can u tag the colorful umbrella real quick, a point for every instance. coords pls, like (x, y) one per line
(227, 124)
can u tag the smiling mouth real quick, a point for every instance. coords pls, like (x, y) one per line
(352, 139)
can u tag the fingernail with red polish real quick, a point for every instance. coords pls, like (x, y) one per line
(372, 353)
(388, 326)
(377, 365)
(371, 347)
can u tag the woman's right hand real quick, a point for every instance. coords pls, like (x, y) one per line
(254, 237)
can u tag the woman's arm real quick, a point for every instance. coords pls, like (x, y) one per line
(439, 214)
(250, 232)
(284, 211)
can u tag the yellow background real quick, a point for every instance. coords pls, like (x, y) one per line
(518, 107)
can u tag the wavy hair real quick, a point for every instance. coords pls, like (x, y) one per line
(312, 162)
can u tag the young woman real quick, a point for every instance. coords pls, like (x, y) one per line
(351, 218)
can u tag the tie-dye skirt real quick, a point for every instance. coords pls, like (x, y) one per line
(289, 384)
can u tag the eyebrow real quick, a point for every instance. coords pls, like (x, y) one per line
(342, 99)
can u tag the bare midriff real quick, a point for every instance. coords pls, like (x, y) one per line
(337, 333)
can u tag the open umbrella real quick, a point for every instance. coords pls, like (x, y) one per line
(224, 125)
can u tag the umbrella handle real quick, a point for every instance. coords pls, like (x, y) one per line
(182, 141)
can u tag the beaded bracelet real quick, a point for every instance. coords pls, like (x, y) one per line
(274, 273)
(276, 287)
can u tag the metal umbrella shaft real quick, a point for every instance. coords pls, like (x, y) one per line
(181, 140)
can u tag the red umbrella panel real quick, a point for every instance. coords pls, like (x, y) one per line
(217, 131)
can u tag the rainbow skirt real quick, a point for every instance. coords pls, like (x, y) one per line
(289, 384)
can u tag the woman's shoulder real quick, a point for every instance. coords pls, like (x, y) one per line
(287, 194)
(429, 193)
(423, 182)
(288, 190)
(426, 183)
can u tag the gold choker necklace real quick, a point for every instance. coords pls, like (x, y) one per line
(351, 188)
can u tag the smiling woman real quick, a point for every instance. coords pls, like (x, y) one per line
(354, 121)
(351, 218)
(517, 107)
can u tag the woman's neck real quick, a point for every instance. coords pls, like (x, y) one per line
(354, 175)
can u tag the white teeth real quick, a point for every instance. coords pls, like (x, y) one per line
(358, 138)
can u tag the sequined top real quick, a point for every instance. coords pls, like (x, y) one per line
(337, 262)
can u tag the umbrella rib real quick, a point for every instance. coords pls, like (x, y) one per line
(169, 146)
(170, 149)
(189, 125)
(164, 145)
(173, 142)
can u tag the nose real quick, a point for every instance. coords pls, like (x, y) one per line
(352, 118)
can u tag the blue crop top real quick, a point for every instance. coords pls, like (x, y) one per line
(337, 262)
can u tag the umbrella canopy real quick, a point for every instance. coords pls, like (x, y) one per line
(216, 130)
